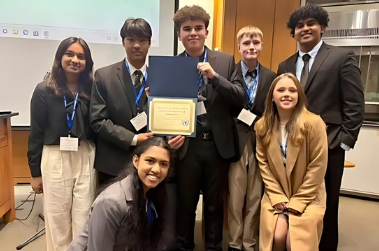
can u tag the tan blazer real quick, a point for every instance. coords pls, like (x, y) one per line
(300, 184)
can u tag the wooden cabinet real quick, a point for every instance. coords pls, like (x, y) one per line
(7, 206)
(4, 175)
(270, 16)
(21, 171)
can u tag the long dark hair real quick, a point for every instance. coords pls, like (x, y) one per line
(139, 238)
(57, 82)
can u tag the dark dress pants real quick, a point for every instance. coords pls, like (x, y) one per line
(104, 178)
(333, 179)
(201, 169)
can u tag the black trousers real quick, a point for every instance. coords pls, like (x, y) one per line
(333, 178)
(201, 169)
(168, 236)
(104, 178)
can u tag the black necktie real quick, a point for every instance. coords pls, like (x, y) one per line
(252, 74)
(250, 84)
(137, 80)
(305, 70)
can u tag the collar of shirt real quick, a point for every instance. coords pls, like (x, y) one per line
(133, 69)
(125, 184)
(300, 62)
(313, 52)
(244, 68)
(201, 57)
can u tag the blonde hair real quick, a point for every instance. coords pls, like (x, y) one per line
(267, 128)
(249, 31)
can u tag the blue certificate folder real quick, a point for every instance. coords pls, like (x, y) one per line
(172, 77)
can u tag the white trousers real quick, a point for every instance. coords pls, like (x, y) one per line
(69, 184)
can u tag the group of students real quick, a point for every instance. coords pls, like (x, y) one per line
(274, 142)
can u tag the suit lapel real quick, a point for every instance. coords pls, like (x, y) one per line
(143, 103)
(292, 154)
(183, 54)
(261, 82)
(291, 63)
(276, 158)
(212, 60)
(242, 80)
(319, 60)
(239, 73)
(126, 82)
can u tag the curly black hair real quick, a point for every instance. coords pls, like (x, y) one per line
(305, 12)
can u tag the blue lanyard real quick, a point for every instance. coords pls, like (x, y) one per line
(283, 149)
(200, 79)
(149, 212)
(138, 97)
(253, 91)
(70, 121)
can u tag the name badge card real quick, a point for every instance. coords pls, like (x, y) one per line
(139, 121)
(246, 117)
(69, 144)
(200, 108)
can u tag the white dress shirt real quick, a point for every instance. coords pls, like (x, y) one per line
(300, 62)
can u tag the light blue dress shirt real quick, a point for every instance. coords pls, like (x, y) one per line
(249, 80)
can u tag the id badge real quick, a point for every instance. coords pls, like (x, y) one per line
(139, 121)
(246, 117)
(69, 144)
(200, 108)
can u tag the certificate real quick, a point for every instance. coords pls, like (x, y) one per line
(172, 116)
(171, 105)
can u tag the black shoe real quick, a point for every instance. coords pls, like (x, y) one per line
(234, 249)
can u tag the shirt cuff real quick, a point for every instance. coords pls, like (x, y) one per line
(345, 147)
(134, 140)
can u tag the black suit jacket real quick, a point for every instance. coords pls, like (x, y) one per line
(266, 77)
(335, 92)
(222, 94)
(112, 107)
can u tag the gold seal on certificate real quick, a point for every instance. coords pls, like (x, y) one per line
(172, 116)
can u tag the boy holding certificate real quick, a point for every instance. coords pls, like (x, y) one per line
(204, 161)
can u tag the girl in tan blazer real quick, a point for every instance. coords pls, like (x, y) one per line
(292, 152)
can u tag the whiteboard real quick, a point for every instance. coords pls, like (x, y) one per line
(25, 59)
